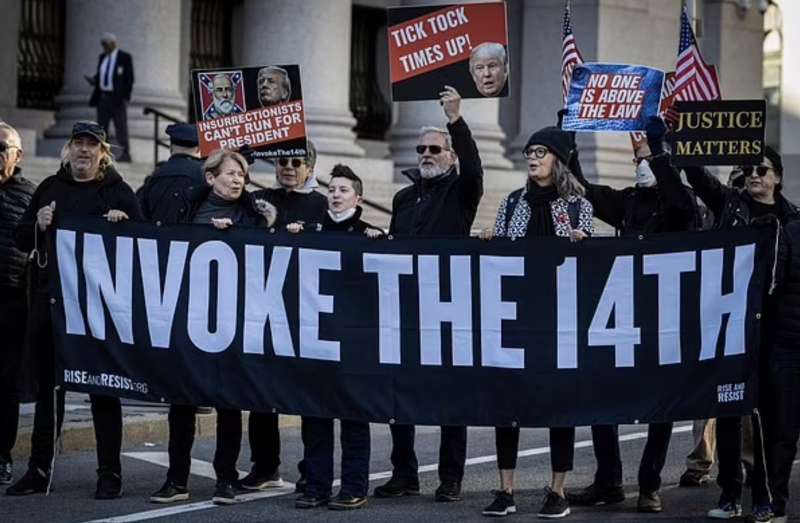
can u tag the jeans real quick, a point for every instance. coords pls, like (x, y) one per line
(452, 453)
(181, 438)
(318, 457)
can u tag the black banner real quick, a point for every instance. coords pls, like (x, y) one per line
(719, 132)
(417, 330)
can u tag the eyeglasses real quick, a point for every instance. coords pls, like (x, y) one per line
(535, 152)
(296, 162)
(760, 170)
(434, 149)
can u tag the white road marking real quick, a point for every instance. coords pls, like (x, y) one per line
(205, 469)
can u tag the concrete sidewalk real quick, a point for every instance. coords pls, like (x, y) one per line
(142, 423)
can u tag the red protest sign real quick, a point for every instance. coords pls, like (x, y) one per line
(430, 46)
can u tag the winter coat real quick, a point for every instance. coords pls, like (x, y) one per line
(516, 225)
(353, 224)
(73, 198)
(163, 197)
(448, 203)
(731, 207)
(252, 217)
(15, 195)
(307, 206)
(666, 207)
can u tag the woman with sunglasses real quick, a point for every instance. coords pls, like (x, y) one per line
(760, 200)
(552, 203)
(297, 201)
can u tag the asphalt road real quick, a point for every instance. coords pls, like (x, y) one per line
(71, 498)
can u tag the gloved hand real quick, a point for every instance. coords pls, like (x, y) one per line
(248, 154)
(560, 120)
(655, 130)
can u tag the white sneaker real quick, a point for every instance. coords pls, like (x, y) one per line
(727, 510)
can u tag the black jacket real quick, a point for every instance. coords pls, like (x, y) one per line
(667, 207)
(447, 204)
(163, 197)
(787, 297)
(353, 224)
(294, 206)
(197, 195)
(731, 207)
(74, 198)
(15, 196)
(122, 79)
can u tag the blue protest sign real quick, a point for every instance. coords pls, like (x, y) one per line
(612, 97)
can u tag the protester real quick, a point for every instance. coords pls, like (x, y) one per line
(345, 191)
(760, 200)
(87, 184)
(296, 201)
(163, 195)
(552, 203)
(658, 202)
(113, 83)
(442, 200)
(223, 203)
(15, 195)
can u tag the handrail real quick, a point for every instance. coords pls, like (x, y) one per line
(157, 142)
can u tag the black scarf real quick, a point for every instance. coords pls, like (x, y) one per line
(541, 221)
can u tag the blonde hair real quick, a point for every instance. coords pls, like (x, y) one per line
(566, 183)
(217, 158)
(106, 157)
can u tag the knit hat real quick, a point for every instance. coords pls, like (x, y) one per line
(557, 142)
(775, 158)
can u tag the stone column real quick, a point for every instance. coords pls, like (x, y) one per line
(481, 115)
(9, 38)
(150, 30)
(316, 35)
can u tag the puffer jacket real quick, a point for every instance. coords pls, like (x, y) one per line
(15, 196)
(163, 197)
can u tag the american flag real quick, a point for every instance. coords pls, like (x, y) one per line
(570, 55)
(694, 80)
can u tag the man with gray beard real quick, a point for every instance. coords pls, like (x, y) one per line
(442, 200)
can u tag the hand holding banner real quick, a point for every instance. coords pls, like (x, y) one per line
(612, 97)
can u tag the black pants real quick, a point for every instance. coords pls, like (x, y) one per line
(452, 453)
(181, 439)
(605, 442)
(109, 108)
(13, 313)
(562, 448)
(265, 442)
(729, 455)
(780, 393)
(654, 456)
(318, 457)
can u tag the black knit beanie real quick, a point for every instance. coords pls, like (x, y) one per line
(557, 142)
(775, 158)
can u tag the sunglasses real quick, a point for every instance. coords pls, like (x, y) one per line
(535, 152)
(761, 170)
(434, 149)
(4, 147)
(296, 162)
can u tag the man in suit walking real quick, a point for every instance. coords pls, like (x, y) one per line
(113, 83)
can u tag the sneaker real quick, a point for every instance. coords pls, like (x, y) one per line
(224, 494)
(35, 480)
(311, 501)
(503, 504)
(300, 484)
(255, 481)
(553, 506)
(397, 487)
(649, 502)
(726, 510)
(760, 514)
(6, 472)
(448, 491)
(346, 502)
(694, 478)
(594, 495)
(109, 485)
(170, 492)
